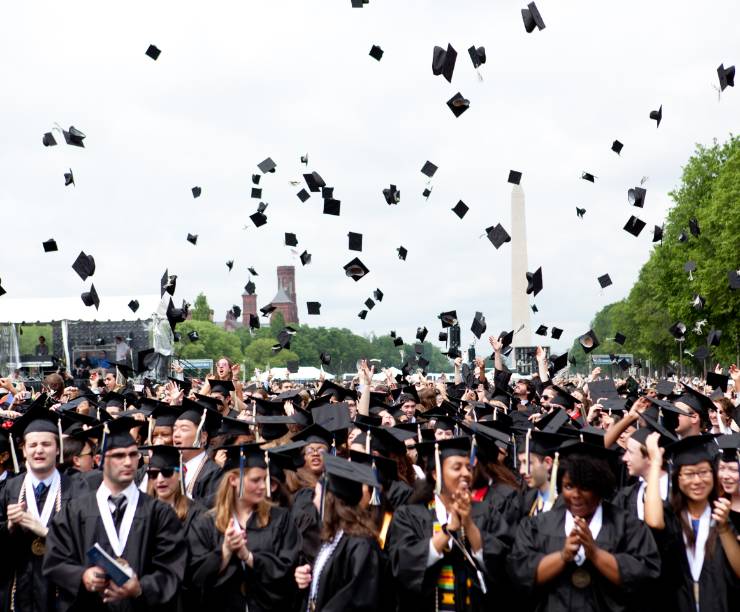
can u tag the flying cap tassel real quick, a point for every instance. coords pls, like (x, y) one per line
(375, 498)
(268, 481)
(437, 470)
(241, 472)
(61, 440)
(553, 490)
(527, 438)
(104, 444)
(16, 469)
(196, 442)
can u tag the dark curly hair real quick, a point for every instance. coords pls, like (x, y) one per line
(587, 473)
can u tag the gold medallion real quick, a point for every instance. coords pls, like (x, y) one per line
(122, 561)
(38, 547)
(580, 578)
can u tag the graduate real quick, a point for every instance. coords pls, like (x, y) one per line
(584, 554)
(728, 473)
(346, 575)
(28, 503)
(444, 555)
(244, 550)
(535, 450)
(133, 528)
(192, 429)
(697, 539)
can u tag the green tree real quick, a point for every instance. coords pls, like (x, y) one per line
(213, 343)
(259, 354)
(200, 311)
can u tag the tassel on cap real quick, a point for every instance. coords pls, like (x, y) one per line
(104, 444)
(201, 425)
(323, 498)
(61, 441)
(182, 475)
(437, 470)
(527, 438)
(473, 451)
(16, 468)
(268, 481)
(375, 498)
(515, 458)
(419, 437)
(151, 431)
(242, 461)
(368, 446)
(553, 491)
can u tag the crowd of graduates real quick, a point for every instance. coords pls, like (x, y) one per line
(481, 492)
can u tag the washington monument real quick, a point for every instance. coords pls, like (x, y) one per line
(519, 301)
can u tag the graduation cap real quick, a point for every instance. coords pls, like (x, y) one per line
(50, 245)
(726, 76)
(176, 315)
(362, 314)
(515, 177)
(249, 287)
(428, 169)
(84, 265)
(305, 258)
(290, 239)
(634, 226)
(254, 321)
(696, 400)
(193, 239)
(534, 281)
(701, 353)
(314, 182)
(134, 305)
(617, 147)
(532, 18)
(541, 330)
(392, 195)
(497, 235)
(355, 241)
(678, 330)
(193, 336)
(69, 178)
(332, 207)
(74, 137)
(402, 253)
(167, 283)
(256, 193)
(682, 237)
(256, 179)
(636, 196)
(314, 308)
(378, 295)
(153, 52)
(327, 192)
(376, 52)
(587, 176)
(458, 104)
(698, 302)
(460, 209)
(588, 341)
(657, 116)
(230, 264)
(443, 62)
(421, 333)
(657, 233)
(355, 269)
(303, 195)
(448, 318)
(506, 338)
(694, 227)
(48, 140)
(479, 325)
(397, 340)
(689, 266)
(345, 479)
(534, 308)
(325, 358)
(714, 337)
(427, 192)
(267, 165)
(718, 381)
(477, 56)
(605, 280)
(620, 338)
(691, 450)
(90, 298)
(580, 212)
(558, 363)
(258, 218)
(369, 303)
(196, 192)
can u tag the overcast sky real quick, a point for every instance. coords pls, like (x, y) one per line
(240, 81)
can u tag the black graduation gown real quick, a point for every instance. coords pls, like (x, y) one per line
(398, 493)
(407, 548)
(206, 483)
(155, 550)
(718, 586)
(22, 577)
(269, 585)
(351, 580)
(506, 501)
(621, 534)
(190, 597)
(306, 519)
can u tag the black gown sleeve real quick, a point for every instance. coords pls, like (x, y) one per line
(407, 547)
(64, 561)
(351, 582)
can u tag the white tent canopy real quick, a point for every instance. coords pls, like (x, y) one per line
(303, 373)
(48, 309)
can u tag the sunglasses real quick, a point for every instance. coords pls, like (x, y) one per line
(166, 473)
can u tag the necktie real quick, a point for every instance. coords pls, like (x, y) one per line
(39, 491)
(120, 502)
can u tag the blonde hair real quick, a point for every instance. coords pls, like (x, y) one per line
(223, 509)
(181, 503)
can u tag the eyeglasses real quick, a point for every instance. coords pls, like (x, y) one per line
(166, 473)
(134, 456)
(314, 450)
(701, 474)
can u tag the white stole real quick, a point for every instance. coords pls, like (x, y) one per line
(594, 526)
(696, 555)
(117, 540)
(51, 496)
